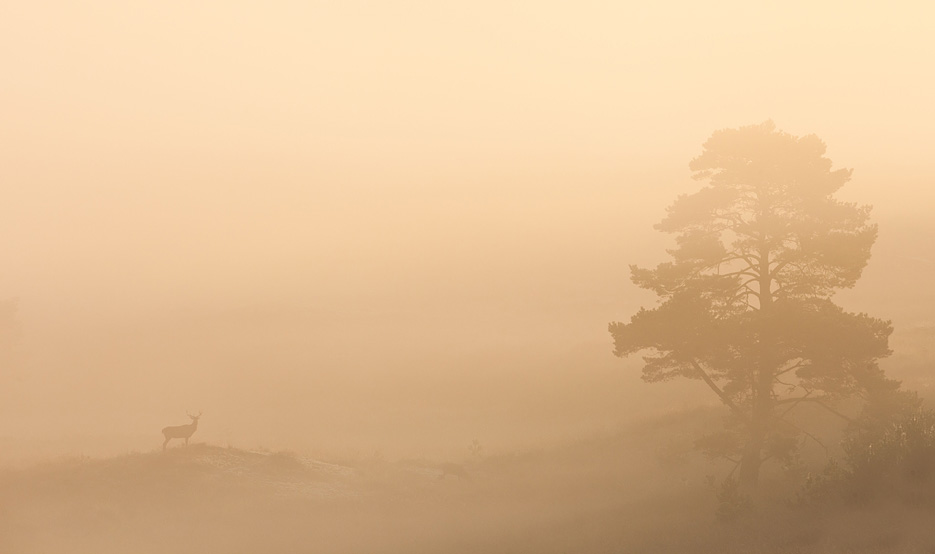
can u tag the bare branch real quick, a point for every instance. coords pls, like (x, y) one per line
(816, 400)
(807, 434)
(717, 390)
(781, 265)
(798, 400)
(832, 410)
(788, 369)
(740, 272)
(746, 285)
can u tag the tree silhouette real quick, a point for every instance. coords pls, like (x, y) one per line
(745, 303)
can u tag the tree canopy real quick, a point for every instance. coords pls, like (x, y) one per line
(745, 303)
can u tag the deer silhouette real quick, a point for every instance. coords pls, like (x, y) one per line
(181, 431)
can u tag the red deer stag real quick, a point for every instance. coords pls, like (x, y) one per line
(181, 431)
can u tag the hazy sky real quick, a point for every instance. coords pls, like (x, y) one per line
(474, 168)
(219, 145)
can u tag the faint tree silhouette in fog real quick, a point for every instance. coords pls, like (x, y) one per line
(745, 302)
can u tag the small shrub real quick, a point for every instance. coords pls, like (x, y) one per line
(892, 460)
(825, 486)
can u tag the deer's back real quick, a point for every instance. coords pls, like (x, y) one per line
(178, 430)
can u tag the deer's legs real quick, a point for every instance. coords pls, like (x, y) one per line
(164, 443)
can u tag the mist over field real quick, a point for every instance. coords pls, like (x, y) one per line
(377, 246)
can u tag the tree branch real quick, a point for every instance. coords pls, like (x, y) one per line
(747, 258)
(740, 272)
(796, 403)
(806, 433)
(819, 401)
(796, 399)
(734, 258)
(788, 369)
(717, 390)
(832, 410)
(782, 264)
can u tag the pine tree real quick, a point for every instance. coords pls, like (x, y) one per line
(745, 304)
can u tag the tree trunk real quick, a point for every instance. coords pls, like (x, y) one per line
(752, 458)
(762, 410)
(760, 416)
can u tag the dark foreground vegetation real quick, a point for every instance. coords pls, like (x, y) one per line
(644, 489)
